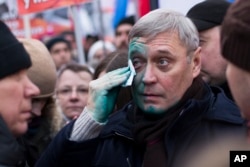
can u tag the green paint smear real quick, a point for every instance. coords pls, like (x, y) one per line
(137, 47)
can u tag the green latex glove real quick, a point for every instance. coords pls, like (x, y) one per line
(103, 93)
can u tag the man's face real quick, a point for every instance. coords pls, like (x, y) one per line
(213, 65)
(121, 36)
(71, 39)
(15, 107)
(239, 81)
(61, 54)
(163, 71)
(72, 92)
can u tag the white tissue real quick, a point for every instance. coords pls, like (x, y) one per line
(132, 74)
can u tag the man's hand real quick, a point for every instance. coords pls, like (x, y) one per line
(103, 93)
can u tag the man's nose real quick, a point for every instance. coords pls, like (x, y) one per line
(149, 75)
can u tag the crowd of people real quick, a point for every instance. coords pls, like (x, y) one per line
(188, 97)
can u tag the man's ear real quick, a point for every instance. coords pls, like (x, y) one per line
(196, 62)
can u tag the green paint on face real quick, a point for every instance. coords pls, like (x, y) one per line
(137, 88)
(136, 47)
(151, 110)
(139, 51)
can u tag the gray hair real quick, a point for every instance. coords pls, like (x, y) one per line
(164, 20)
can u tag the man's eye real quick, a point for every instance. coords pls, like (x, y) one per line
(163, 62)
(118, 34)
(201, 42)
(137, 63)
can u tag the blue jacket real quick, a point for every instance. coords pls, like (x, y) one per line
(204, 120)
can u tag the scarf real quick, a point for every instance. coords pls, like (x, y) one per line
(149, 129)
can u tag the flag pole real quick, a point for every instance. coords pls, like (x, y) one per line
(26, 23)
(78, 34)
(102, 32)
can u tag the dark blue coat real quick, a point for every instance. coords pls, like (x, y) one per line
(12, 154)
(201, 121)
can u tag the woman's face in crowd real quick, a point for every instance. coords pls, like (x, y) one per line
(72, 92)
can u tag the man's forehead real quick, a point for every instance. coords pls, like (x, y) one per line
(143, 45)
(161, 40)
(139, 40)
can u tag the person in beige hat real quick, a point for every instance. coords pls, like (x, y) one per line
(45, 121)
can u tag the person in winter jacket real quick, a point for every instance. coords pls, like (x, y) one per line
(46, 120)
(16, 92)
(207, 17)
(173, 109)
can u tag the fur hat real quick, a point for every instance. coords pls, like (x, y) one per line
(13, 56)
(235, 34)
(208, 14)
(43, 71)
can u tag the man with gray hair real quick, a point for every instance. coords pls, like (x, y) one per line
(172, 110)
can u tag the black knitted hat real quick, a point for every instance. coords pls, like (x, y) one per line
(235, 34)
(13, 56)
(208, 14)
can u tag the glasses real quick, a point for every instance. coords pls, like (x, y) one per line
(69, 91)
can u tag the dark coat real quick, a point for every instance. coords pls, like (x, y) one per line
(200, 122)
(42, 132)
(11, 153)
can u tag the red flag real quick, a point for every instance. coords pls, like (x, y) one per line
(144, 7)
(25, 7)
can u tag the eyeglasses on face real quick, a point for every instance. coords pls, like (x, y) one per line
(80, 91)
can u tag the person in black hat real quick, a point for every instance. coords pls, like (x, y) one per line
(121, 32)
(207, 17)
(60, 50)
(16, 92)
(235, 48)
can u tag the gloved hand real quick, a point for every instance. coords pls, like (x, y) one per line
(103, 93)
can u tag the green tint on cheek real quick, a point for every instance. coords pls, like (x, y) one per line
(138, 48)
(138, 86)
(137, 89)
